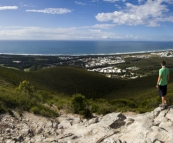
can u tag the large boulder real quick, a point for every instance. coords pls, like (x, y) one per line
(113, 120)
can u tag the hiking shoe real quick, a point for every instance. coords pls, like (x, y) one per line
(161, 105)
(165, 106)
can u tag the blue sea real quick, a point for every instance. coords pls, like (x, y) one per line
(46, 47)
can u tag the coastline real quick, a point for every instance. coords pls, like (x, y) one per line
(124, 53)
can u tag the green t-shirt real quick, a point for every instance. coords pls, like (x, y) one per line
(163, 72)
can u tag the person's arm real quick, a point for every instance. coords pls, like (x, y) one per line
(158, 80)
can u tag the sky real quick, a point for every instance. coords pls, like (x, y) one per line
(116, 20)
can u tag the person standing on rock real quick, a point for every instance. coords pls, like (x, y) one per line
(162, 83)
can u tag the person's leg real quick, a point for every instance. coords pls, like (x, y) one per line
(164, 105)
(163, 92)
(163, 100)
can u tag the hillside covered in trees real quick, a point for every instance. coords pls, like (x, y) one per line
(49, 90)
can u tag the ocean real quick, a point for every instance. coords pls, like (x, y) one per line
(48, 47)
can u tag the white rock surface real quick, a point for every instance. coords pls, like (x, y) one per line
(151, 127)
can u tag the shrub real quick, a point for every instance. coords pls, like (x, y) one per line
(119, 103)
(42, 95)
(2, 108)
(94, 108)
(25, 87)
(35, 110)
(101, 106)
(48, 112)
(10, 112)
(105, 109)
(80, 105)
(63, 103)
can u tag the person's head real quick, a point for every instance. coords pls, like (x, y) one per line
(163, 63)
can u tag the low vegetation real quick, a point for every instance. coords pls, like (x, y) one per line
(46, 92)
(24, 98)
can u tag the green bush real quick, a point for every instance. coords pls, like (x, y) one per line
(79, 105)
(105, 109)
(63, 103)
(11, 112)
(101, 106)
(35, 110)
(25, 87)
(2, 108)
(45, 111)
(119, 103)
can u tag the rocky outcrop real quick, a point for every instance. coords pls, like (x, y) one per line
(151, 127)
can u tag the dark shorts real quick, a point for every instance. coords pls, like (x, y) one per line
(162, 90)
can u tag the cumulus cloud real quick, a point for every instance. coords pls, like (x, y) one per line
(104, 26)
(149, 13)
(51, 10)
(8, 7)
(80, 3)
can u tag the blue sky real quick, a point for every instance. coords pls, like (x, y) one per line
(148, 20)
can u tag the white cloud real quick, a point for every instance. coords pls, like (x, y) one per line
(8, 7)
(99, 26)
(116, 5)
(40, 33)
(94, 30)
(149, 14)
(80, 3)
(111, 0)
(73, 33)
(36, 33)
(104, 26)
(51, 10)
